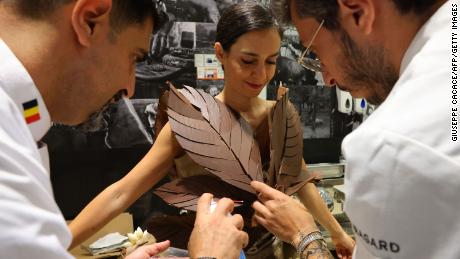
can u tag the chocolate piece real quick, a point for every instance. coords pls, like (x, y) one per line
(185, 192)
(216, 139)
(161, 117)
(286, 132)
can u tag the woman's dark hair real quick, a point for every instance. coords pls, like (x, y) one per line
(241, 18)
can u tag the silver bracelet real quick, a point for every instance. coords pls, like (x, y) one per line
(306, 240)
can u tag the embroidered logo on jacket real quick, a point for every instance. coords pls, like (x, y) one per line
(31, 111)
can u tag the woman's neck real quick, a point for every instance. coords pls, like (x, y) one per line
(238, 102)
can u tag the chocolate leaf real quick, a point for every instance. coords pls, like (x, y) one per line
(277, 124)
(286, 146)
(161, 117)
(185, 192)
(293, 145)
(214, 137)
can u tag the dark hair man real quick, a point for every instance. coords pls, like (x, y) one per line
(61, 61)
(403, 163)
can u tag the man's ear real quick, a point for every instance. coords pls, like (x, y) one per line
(89, 17)
(219, 51)
(357, 15)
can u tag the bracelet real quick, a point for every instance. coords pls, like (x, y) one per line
(307, 239)
(302, 236)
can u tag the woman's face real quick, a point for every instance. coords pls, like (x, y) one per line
(250, 63)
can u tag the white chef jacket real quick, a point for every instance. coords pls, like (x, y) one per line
(31, 224)
(402, 181)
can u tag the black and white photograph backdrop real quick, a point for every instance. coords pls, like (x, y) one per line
(307, 91)
(191, 30)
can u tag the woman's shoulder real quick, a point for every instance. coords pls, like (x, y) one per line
(269, 104)
(273, 105)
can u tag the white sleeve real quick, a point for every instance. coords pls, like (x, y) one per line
(401, 195)
(31, 224)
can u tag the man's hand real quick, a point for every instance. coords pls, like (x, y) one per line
(217, 234)
(281, 215)
(145, 252)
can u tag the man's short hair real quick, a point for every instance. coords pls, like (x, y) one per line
(327, 10)
(124, 12)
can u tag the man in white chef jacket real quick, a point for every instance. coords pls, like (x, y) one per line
(402, 178)
(61, 61)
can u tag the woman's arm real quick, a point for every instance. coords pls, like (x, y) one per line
(310, 197)
(120, 195)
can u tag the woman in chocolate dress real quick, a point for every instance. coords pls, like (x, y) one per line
(247, 45)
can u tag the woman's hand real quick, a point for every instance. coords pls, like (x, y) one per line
(344, 245)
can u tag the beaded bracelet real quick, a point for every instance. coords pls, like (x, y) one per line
(305, 240)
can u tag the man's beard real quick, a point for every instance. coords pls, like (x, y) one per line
(368, 69)
(97, 121)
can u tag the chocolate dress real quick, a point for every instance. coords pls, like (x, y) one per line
(223, 154)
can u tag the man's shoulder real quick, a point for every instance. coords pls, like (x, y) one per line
(12, 123)
(16, 141)
(384, 149)
(418, 109)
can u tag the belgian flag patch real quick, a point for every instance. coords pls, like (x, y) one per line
(31, 111)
